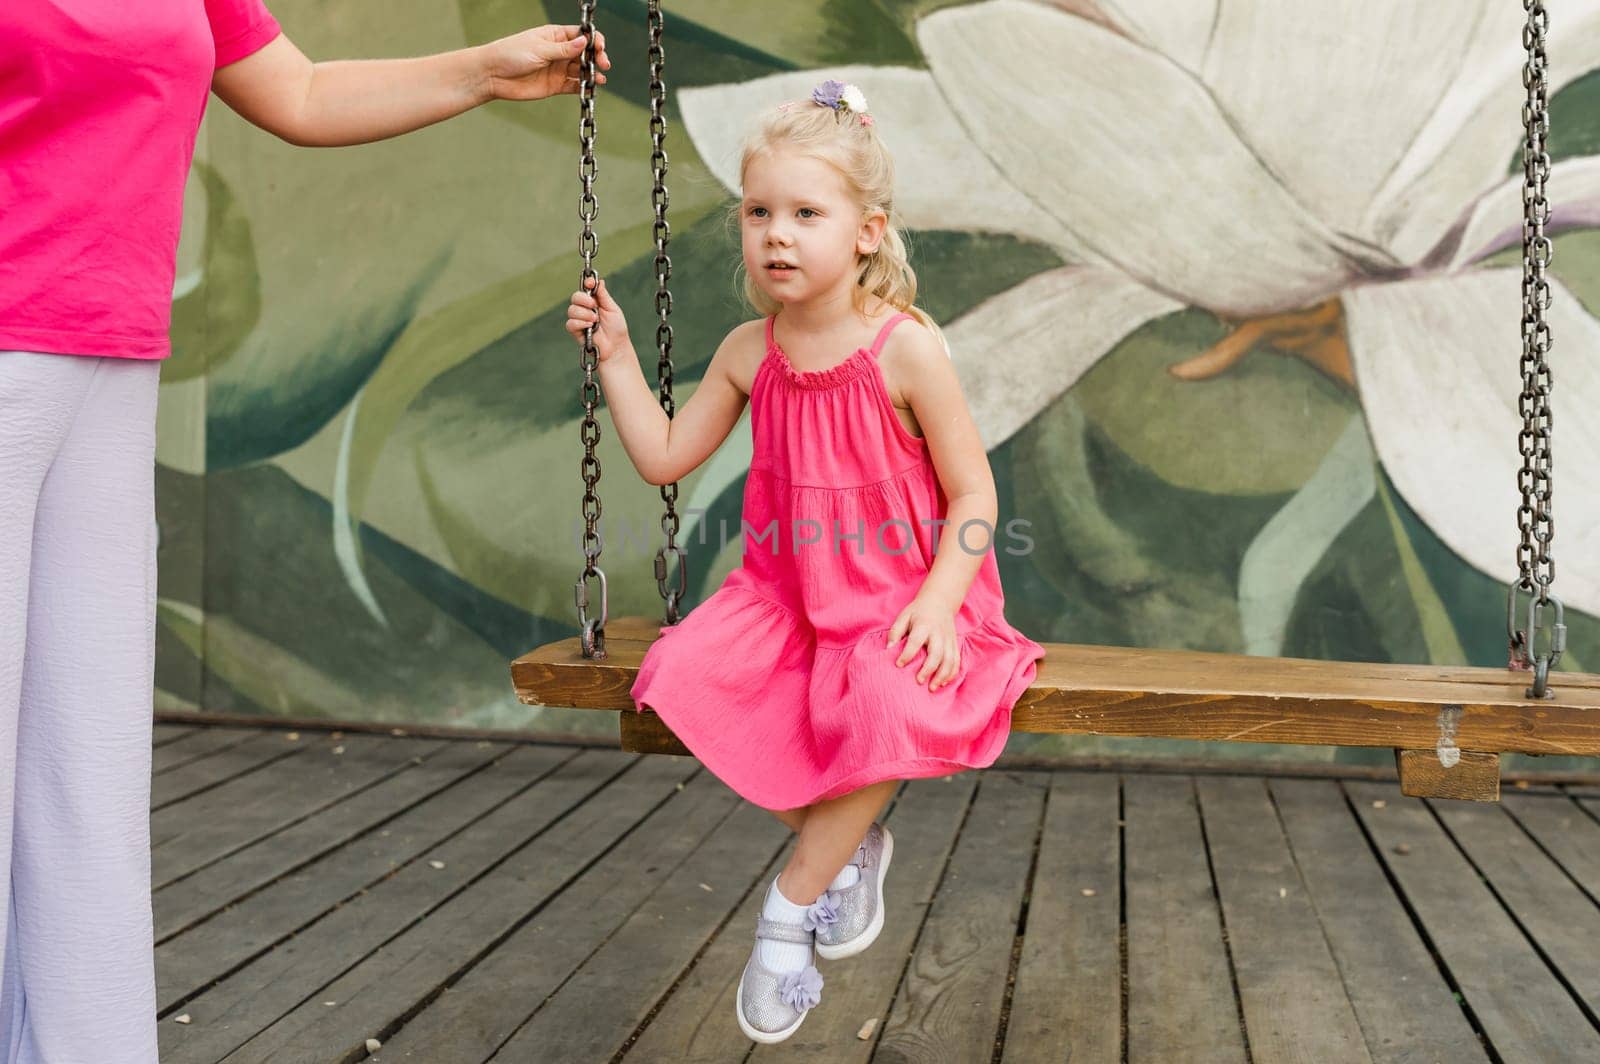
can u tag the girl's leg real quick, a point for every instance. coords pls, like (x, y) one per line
(80, 859)
(793, 819)
(828, 838)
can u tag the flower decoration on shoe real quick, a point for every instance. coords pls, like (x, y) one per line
(822, 912)
(801, 990)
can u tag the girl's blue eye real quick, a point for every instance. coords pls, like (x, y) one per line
(807, 212)
(758, 212)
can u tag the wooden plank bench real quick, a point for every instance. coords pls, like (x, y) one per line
(1447, 724)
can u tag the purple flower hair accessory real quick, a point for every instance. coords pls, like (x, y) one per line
(829, 93)
(840, 96)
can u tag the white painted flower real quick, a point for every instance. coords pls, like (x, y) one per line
(1269, 162)
(854, 98)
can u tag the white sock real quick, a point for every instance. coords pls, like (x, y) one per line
(849, 875)
(783, 956)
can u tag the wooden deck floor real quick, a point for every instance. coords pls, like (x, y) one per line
(465, 901)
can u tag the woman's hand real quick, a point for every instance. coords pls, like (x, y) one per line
(538, 63)
(586, 309)
(930, 623)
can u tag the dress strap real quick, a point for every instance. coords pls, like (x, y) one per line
(771, 343)
(883, 333)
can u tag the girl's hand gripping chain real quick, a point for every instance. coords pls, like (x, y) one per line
(598, 308)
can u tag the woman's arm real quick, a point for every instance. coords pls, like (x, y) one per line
(354, 101)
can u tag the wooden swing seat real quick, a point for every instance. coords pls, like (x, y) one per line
(1418, 710)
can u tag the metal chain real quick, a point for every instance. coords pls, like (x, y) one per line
(1535, 517)
(671, 597)
(592, 630)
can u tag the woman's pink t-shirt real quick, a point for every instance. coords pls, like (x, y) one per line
(100, 102)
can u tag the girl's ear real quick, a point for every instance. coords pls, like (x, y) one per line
(873, 226)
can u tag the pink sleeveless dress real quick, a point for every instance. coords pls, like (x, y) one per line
(781, 682)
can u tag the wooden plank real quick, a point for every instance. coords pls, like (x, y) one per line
(163, 732)
(1567, 829)
(1112, 668)
(926, 820)
(301, 970)
(191, 834)
(1294, 1002)
(186, 902)
(1556, 913)
(195, 743)
(1407, 1012)
(412, 969)
(597, 1010)
(219, 766)
(191, 961)
(1183, 695)
(1474, 776)
(1067, 1005)
(593, 935)
(1181, 1003)
(1520, 1006)
(643, 732)
(950, 1003)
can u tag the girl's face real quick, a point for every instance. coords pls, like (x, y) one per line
(802, 229)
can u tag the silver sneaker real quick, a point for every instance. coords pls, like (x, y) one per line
(772, 1005)
(856, 911)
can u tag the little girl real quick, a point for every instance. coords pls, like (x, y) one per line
(862, 641)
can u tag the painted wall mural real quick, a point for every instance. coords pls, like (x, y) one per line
(1232, 288)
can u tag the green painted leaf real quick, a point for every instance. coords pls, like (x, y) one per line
(443, 340)
(907, 12)
(529, 378)
(284, 631)
(1574, 122)
(1576, 264)
(833, 32)
(956, 271)
(212, 320)
(252, 415)
(1192, 433)
(696, 53)
(1438, 633)
(1104, 539)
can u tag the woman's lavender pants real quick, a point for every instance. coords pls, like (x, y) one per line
(77, 641)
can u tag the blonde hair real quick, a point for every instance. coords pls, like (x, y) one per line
(841, 139)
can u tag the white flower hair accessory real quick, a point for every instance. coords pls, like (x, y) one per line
(842, 97)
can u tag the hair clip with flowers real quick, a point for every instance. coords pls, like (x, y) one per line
(842, 97)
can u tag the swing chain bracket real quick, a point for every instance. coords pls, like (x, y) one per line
(1526, 655)
(672, 596)
(591, 630)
